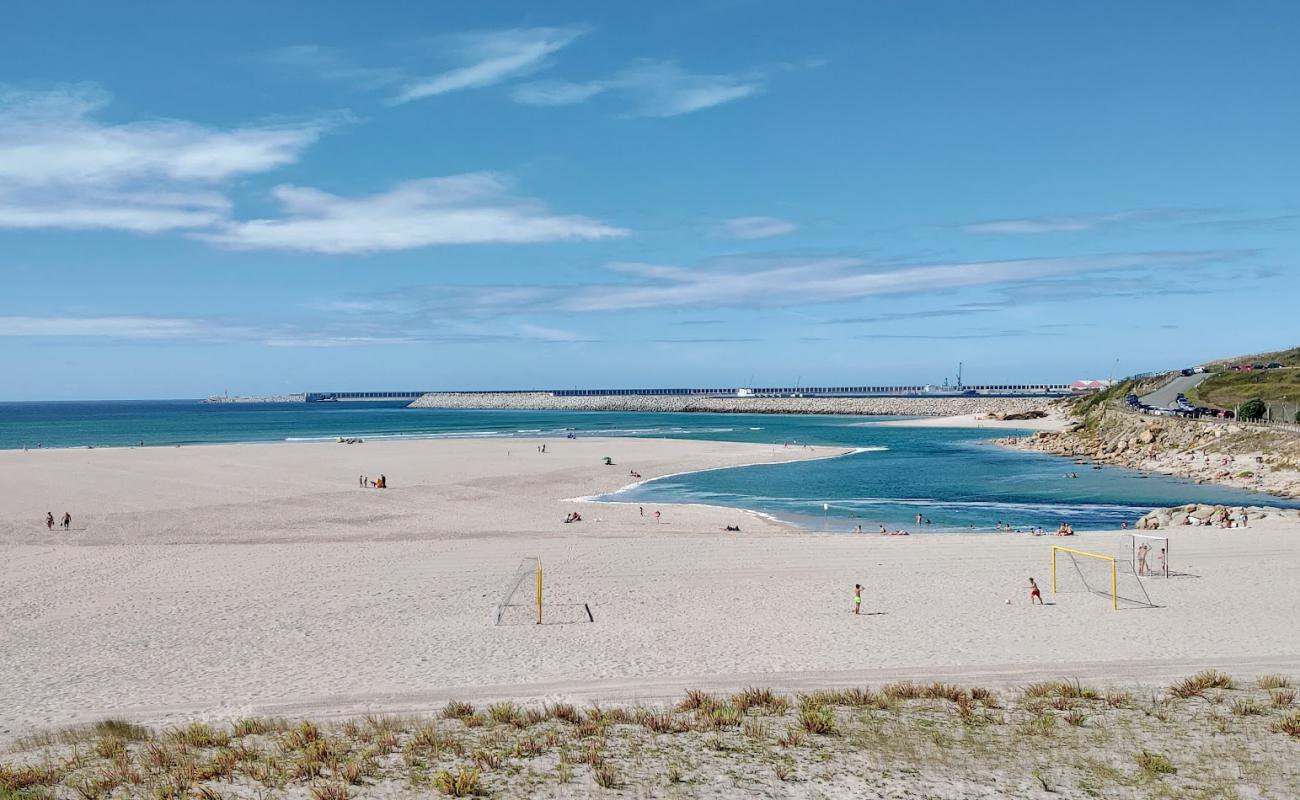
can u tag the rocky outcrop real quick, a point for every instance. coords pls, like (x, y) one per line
(1266, 460)
(896, 406)
(1195, 514)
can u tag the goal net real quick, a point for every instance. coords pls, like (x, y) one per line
(521, 602)
(1112, 578)
(1149, 555)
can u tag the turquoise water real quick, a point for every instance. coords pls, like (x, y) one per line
(952, 477)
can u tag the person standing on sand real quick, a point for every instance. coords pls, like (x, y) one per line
(49, 520)
(67, 521)
(656, 517)
(1142, 558)
(857, 598)
(1034, 594)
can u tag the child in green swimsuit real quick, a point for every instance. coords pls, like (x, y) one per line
(857, 598)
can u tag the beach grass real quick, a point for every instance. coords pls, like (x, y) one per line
(1057, 737)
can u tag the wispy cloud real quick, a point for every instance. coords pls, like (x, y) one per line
(106, 327)
(1085, 222)
(61, 168)
(791, 282)
(652, 88)
(473, 208)
(331, 64)
(775, 283)
(491, 57)
(756, 227)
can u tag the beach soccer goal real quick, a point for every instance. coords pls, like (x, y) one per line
(523, 594)
(1107, 576)
(1149, 555)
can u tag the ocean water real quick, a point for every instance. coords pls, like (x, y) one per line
(954, 478)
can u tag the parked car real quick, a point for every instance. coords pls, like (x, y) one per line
(1274, 365)
(1188, 371)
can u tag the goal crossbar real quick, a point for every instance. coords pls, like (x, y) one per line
(1114, 574)
(1133, 582)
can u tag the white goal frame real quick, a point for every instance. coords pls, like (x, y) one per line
(528, 568)
(1153, 561)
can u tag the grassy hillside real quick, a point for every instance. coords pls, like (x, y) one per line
(1290, 358)
(1227, 389)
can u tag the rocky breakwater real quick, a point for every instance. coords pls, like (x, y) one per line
(891, 406)
(1262, 459)
(1199, 514)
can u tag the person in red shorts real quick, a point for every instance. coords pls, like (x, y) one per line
(1034, 594)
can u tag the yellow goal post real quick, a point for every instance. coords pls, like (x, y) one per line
(515, 593)
(1114, 573)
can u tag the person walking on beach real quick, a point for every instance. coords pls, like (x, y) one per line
(49, 520)
(857, 598)
(656, 517)
(67, 521)
(361, 481)
(1034, 594)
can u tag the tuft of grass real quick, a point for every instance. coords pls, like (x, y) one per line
(1153, 765)
(764, 699)
(793, 737)
(329, 791)
(902, 690)
(818, 720)
(1119, 699)
(121, 729)
(1274, 681)
(20, 779)
(1281, 698)
(1076, 718)
(503, 712)
(606, 777)
(674, 774)
(756, 729)
(256, 726)
(565, 712)
(782, 772)
(198, 735)
(983, 696)
(663, 723)
(723, 717)
(1245, 707)
(486, 758)
(464, 782)
(698, 700)
(1041, 725)
(1198, 684)
(1290, 725)
(458, 710)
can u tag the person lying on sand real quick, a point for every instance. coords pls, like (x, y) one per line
(732, 528)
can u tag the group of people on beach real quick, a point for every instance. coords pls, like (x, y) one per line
(1143, 551)
(65, 523)
(377, 483)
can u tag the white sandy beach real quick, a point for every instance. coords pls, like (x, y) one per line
(222, 580)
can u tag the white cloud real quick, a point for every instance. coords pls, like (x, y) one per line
(111, 327)
(473, 208)
(61, 168)
(653, 89)
(492, 57)
(756, 227)
(792, 282)
(1013, 226)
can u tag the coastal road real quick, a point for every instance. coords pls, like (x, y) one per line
(1167, 395)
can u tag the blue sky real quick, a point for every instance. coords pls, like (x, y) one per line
(267, 198)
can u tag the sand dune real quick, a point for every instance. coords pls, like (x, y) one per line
(216, 581)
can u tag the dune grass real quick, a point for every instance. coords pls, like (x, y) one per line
(1204, 736)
